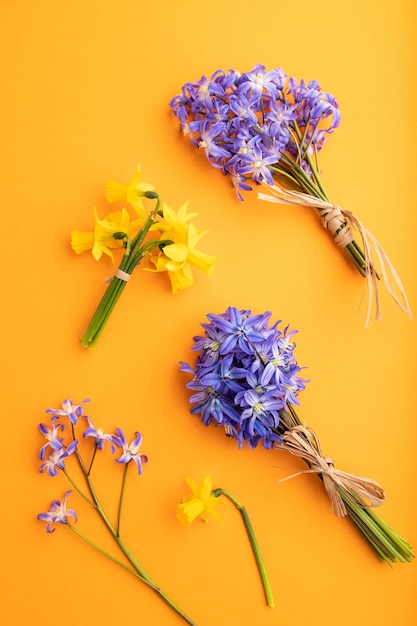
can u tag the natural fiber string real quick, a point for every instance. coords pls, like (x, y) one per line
(341, 223)
(303, 442)
(119, 274)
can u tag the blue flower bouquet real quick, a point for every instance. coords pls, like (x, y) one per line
(266, 128)
(246, 381)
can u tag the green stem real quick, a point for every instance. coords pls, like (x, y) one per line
(77, 489)
(386, 542)
(254, 544)
(107, 554)
(353, 248)
(142, 574)
(139, 569)
(122, 491)
(314, 186)
(92, 460)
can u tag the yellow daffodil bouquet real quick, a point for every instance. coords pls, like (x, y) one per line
(165, 237)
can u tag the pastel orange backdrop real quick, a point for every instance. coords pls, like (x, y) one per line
(86, 87)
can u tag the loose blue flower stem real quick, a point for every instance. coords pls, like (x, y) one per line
(92, 460)
(122, 491)
(138, 569)
(77, 489)
(108, 555)
(254, 544)
(142, 573)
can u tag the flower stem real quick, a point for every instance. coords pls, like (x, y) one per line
(254, 544)
(313, 185)
(77, 489)
(144, 578)
(122, 491)
(90, 467)
(105, 307)
(142, 574)
(386, 542)
(106, 554)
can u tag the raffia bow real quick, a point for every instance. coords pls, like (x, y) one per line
(341, 223)
(303, 442)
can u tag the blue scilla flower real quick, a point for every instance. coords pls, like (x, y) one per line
(247, 123)
(244, 374)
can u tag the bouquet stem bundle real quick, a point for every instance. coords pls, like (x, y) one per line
(387, 544)
(134, 253)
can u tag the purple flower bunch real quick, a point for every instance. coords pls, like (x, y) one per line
(245, 373)
(246, 380)
(266, 127)
(249, 123)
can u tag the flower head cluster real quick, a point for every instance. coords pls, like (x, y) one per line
(58, 513)
(61, 442)
(174, 251)
(178, 257)
(246, 123)
(101, 240)
(199, 503)
(132, 193)
(244, 374)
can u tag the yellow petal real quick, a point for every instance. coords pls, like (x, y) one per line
(205, 487)
(169, 214)
(98, 250)
(201, 260)
(182, 215)
(179, 281)
(116, 192)
(176, 252)
(199, 503)
(188, 511)
(193, 485)
(81, 242)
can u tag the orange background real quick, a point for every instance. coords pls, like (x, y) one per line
(86, 87)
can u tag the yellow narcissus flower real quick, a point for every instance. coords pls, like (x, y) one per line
(101, 239)
(131, 193)
(198, 503)
(178, 257)
(203, 500)
(174, 222)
